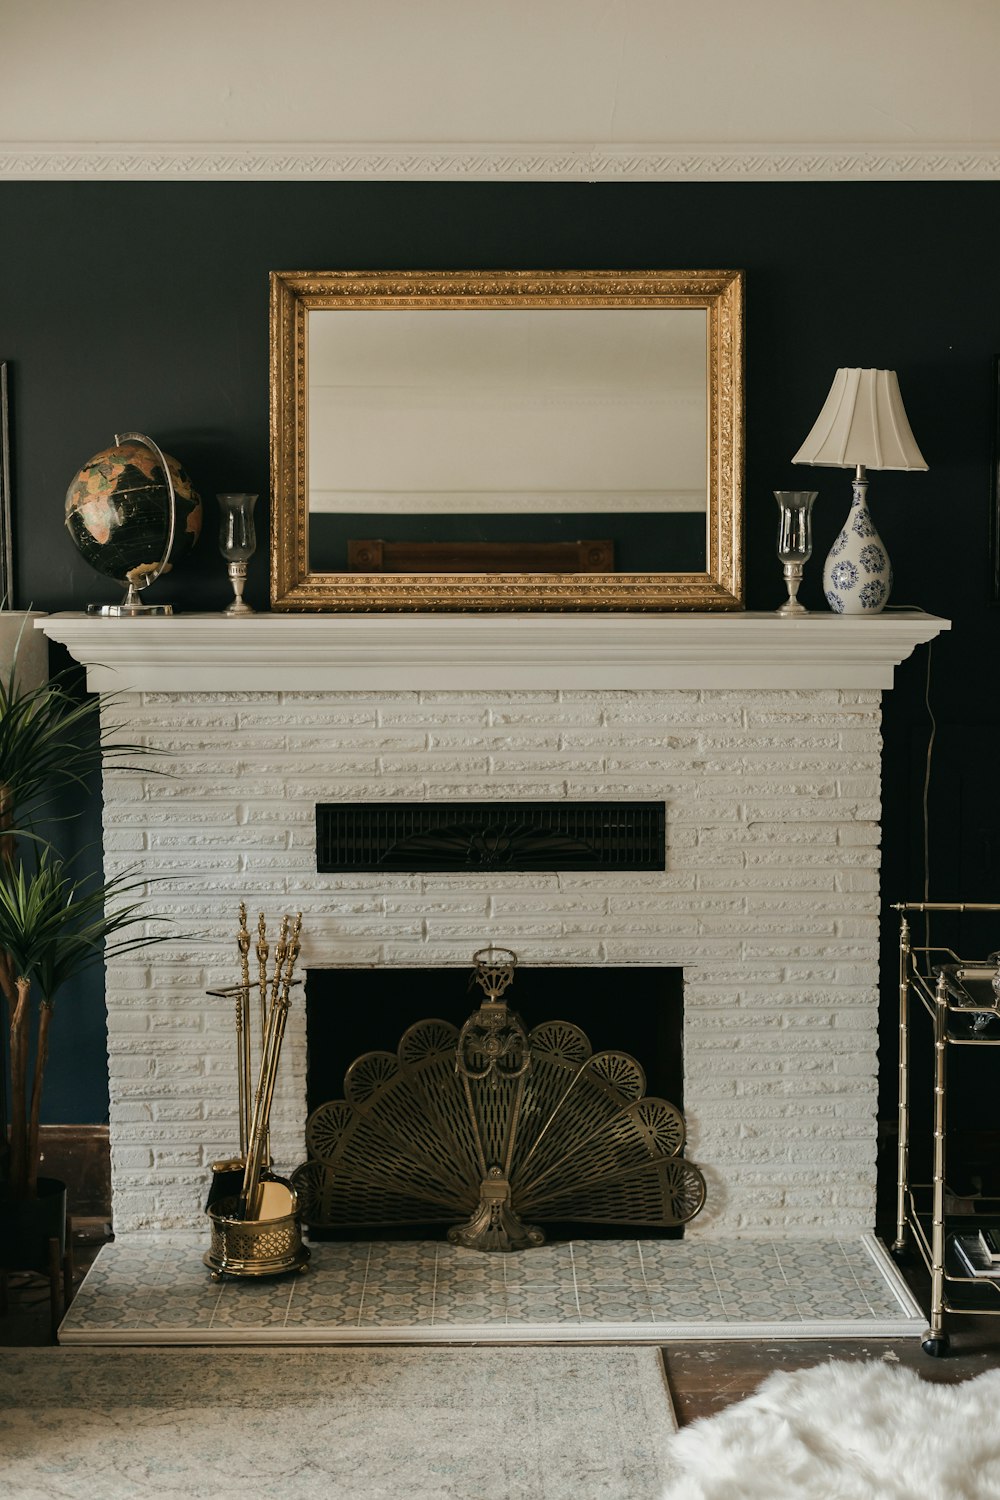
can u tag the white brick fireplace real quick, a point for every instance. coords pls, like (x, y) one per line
(761, 735)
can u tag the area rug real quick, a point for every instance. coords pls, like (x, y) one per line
(847, 1432)
(344, 1424)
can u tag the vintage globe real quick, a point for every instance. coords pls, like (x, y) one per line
(118, 512)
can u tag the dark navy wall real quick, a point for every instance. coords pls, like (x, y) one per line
(144, 306)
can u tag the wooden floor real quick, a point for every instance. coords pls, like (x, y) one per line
(703, 1377)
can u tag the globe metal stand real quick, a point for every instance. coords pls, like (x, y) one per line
(132, 605)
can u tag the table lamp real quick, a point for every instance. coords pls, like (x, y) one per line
(861, 426)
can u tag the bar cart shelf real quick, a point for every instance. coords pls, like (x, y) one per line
(963, 1007)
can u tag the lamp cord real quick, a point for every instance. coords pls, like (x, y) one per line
(927, 771)
(926, 794)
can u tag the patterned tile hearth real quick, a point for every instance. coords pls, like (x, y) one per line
(153, 1289)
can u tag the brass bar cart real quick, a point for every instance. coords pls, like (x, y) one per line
(963, 1004)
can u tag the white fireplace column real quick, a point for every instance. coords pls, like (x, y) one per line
(760, 735)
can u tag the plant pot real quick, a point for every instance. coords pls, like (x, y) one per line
(29, 1224)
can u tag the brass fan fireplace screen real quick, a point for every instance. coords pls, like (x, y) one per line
(498, 1128)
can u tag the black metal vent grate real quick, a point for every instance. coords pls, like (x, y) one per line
(404, 837)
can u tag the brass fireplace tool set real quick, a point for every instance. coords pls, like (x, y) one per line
(253, 1211)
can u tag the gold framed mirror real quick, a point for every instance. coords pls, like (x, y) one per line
(506, 440)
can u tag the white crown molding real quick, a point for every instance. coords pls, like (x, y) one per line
(441, 653)
(428, 161)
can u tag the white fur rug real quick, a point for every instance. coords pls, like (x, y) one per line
(847, 1432)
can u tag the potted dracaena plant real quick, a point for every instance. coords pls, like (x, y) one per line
(53, 924)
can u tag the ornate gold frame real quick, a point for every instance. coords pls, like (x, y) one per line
(295, 293)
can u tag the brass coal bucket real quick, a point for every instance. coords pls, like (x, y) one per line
(257, 1247)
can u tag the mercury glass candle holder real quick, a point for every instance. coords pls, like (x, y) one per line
(237, 543)
(794, 542)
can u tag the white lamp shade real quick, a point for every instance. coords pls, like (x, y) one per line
(862, 422)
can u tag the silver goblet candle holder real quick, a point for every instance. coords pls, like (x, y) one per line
(794, 542)
(237, 543)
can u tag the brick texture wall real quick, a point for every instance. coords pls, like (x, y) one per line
(769, 903)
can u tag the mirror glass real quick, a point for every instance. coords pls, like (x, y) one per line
(506, 440)
(430, 427)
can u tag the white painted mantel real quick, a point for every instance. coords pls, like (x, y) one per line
(283, 652)
(760, 736)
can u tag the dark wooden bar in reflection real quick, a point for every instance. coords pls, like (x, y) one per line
(480, 557)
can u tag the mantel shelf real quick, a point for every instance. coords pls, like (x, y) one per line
(284, 652)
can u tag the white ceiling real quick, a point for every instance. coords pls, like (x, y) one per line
(907, 86)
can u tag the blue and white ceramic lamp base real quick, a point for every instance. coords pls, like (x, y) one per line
(857, 575)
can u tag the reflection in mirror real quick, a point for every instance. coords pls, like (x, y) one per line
(438, 435)
(513, 440)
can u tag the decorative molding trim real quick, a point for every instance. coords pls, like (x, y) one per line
(440, 653)
(438, 161)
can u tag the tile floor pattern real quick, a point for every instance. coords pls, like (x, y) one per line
(157, 1286)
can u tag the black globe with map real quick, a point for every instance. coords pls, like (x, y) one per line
(118, 513)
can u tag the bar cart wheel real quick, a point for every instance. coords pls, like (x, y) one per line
(937, 1347)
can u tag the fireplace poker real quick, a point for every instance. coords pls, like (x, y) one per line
(263, 950)
(243, 1029)
(227, 1174)
(262, 954)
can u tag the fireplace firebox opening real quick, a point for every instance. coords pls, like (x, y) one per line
(637, 1011)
